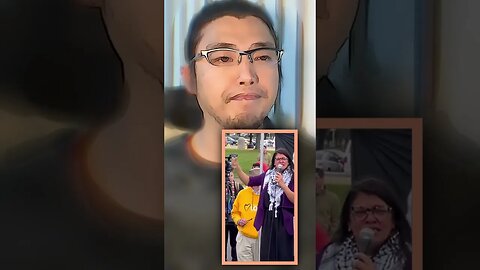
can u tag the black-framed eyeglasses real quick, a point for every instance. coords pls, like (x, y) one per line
(282, 158)
(378, 212)
(233, 57)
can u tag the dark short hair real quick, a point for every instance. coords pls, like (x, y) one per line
(218, 9)
(284, 152)
(379, 188)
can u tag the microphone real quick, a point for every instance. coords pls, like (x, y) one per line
(365, 241)
(279, 169)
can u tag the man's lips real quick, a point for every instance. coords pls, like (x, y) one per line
(243, 96)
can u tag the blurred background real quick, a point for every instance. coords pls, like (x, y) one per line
(349, 155)
(61, 85)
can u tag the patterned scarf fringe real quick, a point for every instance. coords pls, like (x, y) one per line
(274, 191)
(388, 257)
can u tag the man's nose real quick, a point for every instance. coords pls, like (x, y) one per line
(247, 73)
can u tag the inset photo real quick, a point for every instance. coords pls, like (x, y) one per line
(259, 198)
(369, 194)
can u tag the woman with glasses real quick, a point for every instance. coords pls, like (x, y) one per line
(373, 232)
(275, 209)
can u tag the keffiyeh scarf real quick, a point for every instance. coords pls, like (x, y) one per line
(389, 256)
(274, 191)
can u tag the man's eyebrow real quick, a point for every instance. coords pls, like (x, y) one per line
(255, 45)
(262, 45)
(221, 45)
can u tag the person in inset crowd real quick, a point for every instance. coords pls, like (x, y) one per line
(322, 239)
(243, 214)
(264, 167)
(327, 204)
(231, 191)
(267, 158)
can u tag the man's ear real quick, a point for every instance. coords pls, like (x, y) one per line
(188, 79)
(91, 3)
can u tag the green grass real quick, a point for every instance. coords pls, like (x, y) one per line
(245, 157)
(340, 189)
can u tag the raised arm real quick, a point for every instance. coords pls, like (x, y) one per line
(241, 174)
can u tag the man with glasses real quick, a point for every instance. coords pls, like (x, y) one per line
(233, 69)
(232, 66)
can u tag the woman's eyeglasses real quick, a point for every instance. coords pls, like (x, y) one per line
(378, 212)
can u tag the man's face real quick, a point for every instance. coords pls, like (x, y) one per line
(238, 96)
